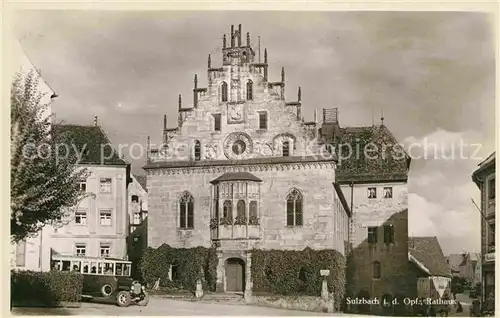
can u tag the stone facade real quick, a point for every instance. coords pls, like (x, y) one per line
(243, 171)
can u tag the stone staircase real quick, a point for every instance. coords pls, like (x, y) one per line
(227, 298)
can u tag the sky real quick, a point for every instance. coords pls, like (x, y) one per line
(431, 74)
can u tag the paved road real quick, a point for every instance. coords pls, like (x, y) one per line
(168, 307)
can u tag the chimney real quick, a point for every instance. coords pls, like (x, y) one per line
(95, 120)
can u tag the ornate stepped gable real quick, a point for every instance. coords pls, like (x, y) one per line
(240, 116)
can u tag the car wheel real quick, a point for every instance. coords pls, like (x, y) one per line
(123, 298)
(144, 301)
(107, 290)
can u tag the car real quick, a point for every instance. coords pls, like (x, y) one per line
(105, 279)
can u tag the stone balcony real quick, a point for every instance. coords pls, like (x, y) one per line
(236, 232)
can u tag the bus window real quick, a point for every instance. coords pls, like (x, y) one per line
(76, 266)
(86, 269)
(109, 268)
(93, 267)
(56, 265)
(126, 271)
(66, 266)
(100, 267)
(119, 269)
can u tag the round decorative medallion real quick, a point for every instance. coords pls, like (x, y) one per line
(237, 145)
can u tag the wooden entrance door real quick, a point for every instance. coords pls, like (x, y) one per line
(235, 275)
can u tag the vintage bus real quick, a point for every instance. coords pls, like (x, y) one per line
(104, 279)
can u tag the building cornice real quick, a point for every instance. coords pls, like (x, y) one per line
(241, 168)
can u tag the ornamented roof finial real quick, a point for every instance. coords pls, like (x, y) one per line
(180, 101)
(265, 56)
(164, 122)
(382, 119)
(95, 120)
(224, 41)
(209, 61)
(282, 74)
(300, 94)
(195, 81)
(248, 38)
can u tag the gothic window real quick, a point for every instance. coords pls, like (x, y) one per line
(224, 92)
(197, 150)
(294, 208)
(249, 90)
(253, 209)
(286, 148)
(186, 211)
(377, 269)
(228, 210)
(240, 213)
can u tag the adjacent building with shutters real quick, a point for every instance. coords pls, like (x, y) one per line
(243, 170)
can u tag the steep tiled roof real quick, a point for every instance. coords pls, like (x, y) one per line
(427, 252)
(142, 181)
(385, 161)
(89, 141)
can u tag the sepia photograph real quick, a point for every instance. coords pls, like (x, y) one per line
(252, 163)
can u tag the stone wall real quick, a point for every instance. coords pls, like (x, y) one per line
(314, 181)
(393, 257)
(303, 303)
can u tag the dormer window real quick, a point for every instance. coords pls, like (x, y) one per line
(286, 148)
(249, 90)
(224, 92)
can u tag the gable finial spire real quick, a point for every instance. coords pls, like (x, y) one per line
(382, 119)
(232, 35)
(165, 122)
(224, 41)
(209, 61)
(299, 93)
(265, 56)
(180, 101)
(239, 35)
(282, 74)
(95, 120)
(195, 81)
(248, 38)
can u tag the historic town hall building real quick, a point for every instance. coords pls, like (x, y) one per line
(242, 170)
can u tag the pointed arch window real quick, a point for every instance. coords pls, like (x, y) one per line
(186, 211)
(197, 150)
(377, 271)
(249, 90)
(294, 203)
(286, 148)
(227, 210)
(224, 92)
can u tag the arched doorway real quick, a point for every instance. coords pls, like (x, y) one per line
(235, 275)
(364, 308)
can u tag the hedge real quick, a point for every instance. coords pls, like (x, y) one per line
(46, 288)
(192, 263)
(285, 272)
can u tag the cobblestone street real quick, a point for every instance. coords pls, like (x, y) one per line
(167, 307)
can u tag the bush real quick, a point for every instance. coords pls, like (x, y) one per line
(298, 272)
(192, 264)
(46, 288)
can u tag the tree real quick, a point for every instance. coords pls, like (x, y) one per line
(44, 175)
